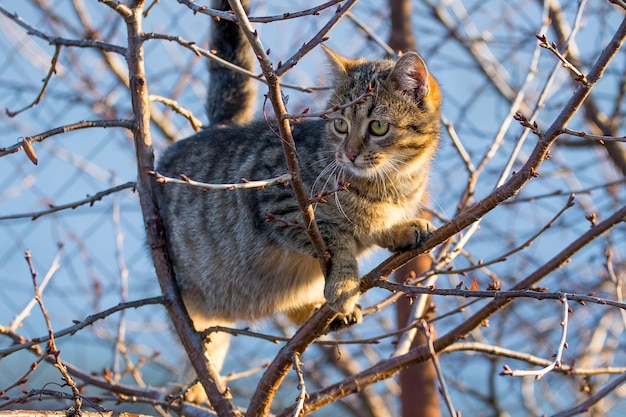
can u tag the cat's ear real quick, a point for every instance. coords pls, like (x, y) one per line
(338, 64)
(410, 76)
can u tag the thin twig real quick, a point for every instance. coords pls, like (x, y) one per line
(372, 35)
(531, 359)
(540, 373)
(618, 283)
(458, 145)
(318, 38)
(258, 19)
(244, 374)
(325, 114)
(544, 43)
(244, 184)
(128, 124)
(301, 386)
(443, 388)
(196, 124)
(51, 71)
(505, 256)
(600, 394)
(598, 138)
(58, 41)
(54, 266)
(559, 193)
(52, 349)
(537, 294)
(91, 200)
(191, 45)
(78, 325)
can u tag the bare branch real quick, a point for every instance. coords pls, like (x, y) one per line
(599, 138)
(260, 19)
(186, 113)
(88, 321)
(219, 396)
(58, 41)
(55, 57)
(538, 374)
(244, 184)
(600, 394)
(54, 266)
(128, 124)
(443, 388)
(387, 368)
(531, 359)
(372, 35)
(89, 200)
(301, 386)
(212, 56)
(326, 113)
(52, 349)
(617, 281)
(543, 42)
(319, 37)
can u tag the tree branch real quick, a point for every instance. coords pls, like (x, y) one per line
(128, 124)
(220, 397)
(89, 200)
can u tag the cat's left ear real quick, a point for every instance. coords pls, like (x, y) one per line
(410, 76)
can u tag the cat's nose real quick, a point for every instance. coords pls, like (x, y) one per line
(351, 154)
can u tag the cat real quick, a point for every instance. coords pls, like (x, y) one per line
(230, 262)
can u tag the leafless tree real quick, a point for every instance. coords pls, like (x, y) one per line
(515, 310)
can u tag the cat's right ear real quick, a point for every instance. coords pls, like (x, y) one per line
(338, 64)
(410, 76)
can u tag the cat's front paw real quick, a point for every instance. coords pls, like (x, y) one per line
(411, 235)
(342, 321)
(342, 295)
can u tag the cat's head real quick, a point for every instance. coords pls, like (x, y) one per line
(395, 129)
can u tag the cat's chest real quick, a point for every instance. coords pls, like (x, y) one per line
(374, 217)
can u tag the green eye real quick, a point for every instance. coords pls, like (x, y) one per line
(378, 128)
(341, 125)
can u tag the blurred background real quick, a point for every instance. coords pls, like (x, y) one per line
(486, 57)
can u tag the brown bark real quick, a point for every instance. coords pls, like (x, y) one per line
(401, 35)
(419, 394)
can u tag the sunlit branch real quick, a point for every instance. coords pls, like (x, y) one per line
(544, 43)
(540, 373)
(244, 184)
(530, 359)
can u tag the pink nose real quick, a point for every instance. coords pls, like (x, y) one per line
(351, 154)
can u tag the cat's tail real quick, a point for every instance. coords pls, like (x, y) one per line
(231, 95)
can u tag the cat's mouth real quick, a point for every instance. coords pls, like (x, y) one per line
(361, 167)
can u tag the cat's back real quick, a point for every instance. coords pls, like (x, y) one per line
(227, 154)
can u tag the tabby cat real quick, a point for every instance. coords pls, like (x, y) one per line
(233, 264)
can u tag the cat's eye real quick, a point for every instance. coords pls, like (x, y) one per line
(341, 126)
(378, 128)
